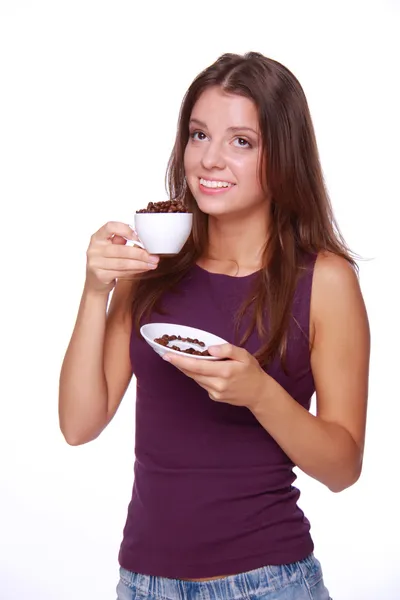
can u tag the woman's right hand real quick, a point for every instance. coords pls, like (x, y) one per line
(109, 258)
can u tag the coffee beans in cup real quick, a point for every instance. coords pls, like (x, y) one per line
(168, 206)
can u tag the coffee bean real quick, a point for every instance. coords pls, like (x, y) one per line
(166, 339)
(168, 206)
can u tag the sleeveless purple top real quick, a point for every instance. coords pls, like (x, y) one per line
(213, 492)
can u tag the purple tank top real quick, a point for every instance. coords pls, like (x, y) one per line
(213, 492)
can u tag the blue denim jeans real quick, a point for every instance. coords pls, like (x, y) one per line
(297, 581)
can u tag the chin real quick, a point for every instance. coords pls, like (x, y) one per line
(212, 209)
(213, 205)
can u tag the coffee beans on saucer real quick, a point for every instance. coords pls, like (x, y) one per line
(169, 206)
(166, 339)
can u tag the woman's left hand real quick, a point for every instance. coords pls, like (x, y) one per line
(239, 380)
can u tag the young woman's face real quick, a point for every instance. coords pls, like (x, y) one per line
(224, 150)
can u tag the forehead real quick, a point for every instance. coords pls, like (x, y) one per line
(222, 110)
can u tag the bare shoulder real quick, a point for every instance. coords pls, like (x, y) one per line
(333, 270)
(336, 292)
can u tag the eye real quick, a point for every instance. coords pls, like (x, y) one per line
(200, 136)
(242, 143)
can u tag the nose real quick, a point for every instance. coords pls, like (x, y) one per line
(212, 156)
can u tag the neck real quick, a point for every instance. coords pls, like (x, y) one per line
(238, 241)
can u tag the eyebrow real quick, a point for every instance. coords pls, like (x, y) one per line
(230, 129)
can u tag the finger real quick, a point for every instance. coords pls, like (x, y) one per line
(118, 240)
(229, 351)
(123, 241)
(208, 383)
(124, 265)
(193, 365)
(113, 228)
(132, 252)
(187, 373)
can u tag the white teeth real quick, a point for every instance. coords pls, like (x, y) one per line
(215, 184)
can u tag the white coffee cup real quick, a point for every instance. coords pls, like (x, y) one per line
(162, 233)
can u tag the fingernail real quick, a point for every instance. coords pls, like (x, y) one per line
(154, 259)
(167, 357)
(152, 266)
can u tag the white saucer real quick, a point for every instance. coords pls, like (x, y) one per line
(157, 330)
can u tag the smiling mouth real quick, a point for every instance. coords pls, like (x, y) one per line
(212, 184)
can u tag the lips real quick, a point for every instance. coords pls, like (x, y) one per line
(212, 186)
(215, 183)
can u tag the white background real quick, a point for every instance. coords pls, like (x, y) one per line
(89, 99)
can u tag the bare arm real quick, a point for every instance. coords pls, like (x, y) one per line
(329, 446)
(96, 370)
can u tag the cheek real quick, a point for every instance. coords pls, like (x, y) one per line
(250, 187)
(188, 160)
(247, 172)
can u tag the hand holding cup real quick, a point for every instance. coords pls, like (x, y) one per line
(110, 257)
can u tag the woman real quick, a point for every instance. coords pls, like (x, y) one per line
(214, 511)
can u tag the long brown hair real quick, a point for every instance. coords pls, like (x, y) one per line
(302, 221)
